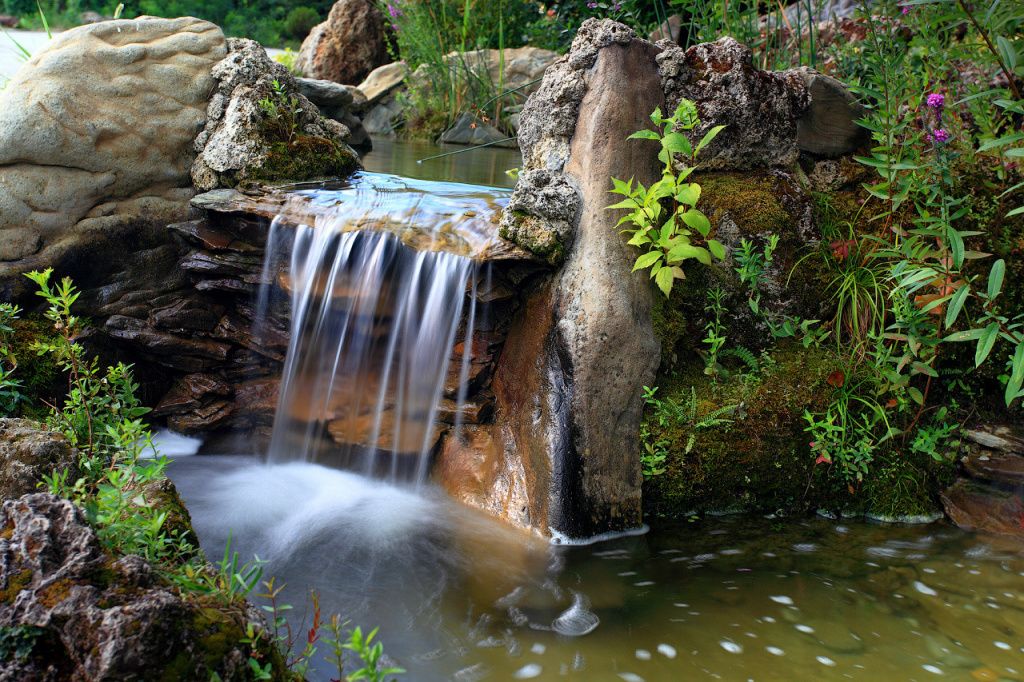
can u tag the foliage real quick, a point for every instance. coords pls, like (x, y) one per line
(11, 394)
(670, 411)
(370, 654)
(17, 641)
(556, 23)
(715, 329)
(663, 220)
(300, 21)
(751, 264)
(289, 59)
(281, 112)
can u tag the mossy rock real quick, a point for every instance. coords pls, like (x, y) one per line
(752, 206)
(759, 462)
(42, 380)
(306, 157)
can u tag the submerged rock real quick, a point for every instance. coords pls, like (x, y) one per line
(259, 128)
(975, 506)
(28, 451)
(469, 129)
(79, 614)
(96, 136)
(348, 46)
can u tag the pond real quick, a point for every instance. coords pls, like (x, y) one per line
(459, 596)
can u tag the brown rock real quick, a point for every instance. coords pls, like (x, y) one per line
(28, 451)
(348, 46)
(1005, 469)
(670, 29)
(381, 82)
(829, 127)
(189, 392)
(974, 506)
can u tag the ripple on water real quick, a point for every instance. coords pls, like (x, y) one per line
(578, 619)
(528, 672)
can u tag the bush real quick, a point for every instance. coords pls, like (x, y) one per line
(300, 21)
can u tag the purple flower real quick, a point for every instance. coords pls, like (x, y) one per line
(940, 135)
(592, 5)
(394, 11)
(904, 9)
(936, 100)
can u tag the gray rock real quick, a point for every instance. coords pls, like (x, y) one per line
(325, 94)
(383, 118)
(760, 109)
(97, 619)
(28, 451)
(348, 46)
(236, 145)
(670, 29)
(829, 126)
(468, 129)
(96, 136)
(542, 213)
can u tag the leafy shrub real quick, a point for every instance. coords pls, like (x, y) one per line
(300, 21)
(663, 221)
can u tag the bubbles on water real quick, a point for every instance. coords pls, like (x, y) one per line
(1003, 645)
(935, 670)
(578, 619)
(538, 649)
(731, 647)
(806, 629)
(630, 677)
(775, 651)
(782, 599)
(924, 589)
(667, 650)
(826, 661)
(643, 655)
(528, 672)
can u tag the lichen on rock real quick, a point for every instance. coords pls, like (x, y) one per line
(240, 144)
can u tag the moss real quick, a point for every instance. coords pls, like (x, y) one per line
(532, 234)
(669, 323)
(307, 157)
(760, 462)
(754, 201)
(15, 584)
(41, 377)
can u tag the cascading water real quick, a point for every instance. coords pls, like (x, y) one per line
(378, 290)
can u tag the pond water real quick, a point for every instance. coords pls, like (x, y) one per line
(461, 597)
(480, 166)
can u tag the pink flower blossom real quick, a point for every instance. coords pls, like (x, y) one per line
(940, 135)
(936, 100)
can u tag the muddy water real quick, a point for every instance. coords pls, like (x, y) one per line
(460, 597)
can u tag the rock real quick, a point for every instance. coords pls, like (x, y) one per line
(326, 94)
(384, 117)
(1002, 438)
(541, 215)
(1004, 469)
(562, 454)
(670, 30)
(760, 109)
(96, 136)
(978, 507)
(241, 143)
(7, 21)
(348, 46)
(28, 451)
(468, 129)
(86, 616)
(382, 81)
(829, 127)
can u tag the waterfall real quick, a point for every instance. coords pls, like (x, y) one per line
(382, 288)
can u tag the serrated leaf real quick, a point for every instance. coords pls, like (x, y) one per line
(677, 143)
(684, 251)
(697, 221)
(644, 135)
(646, 260)
(716, 248)
(664, 280)
(688, 194)
(961, 337)
(921, 368)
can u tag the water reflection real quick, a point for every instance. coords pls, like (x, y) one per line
(482, 166)
(460, 597)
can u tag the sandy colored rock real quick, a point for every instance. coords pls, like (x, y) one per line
(382, 81)
(28, 451)
(96, 132)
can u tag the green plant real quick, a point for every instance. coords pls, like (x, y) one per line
(17, 641)
(669, 412)
(300, 21)
(289, 59)
(663, 220)
(11, 395)
(715, 330)
(936, 439)
(371, 655)
(654, 453)
(751, 265)
(281, 112)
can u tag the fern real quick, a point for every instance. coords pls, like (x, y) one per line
(745, 356)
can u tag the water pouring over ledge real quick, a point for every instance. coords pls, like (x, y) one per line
(378, 283)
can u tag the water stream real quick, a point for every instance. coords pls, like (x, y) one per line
(459, 596)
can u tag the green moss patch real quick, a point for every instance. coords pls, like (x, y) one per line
(307, 157)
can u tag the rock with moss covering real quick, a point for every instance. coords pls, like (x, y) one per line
(244, 142)
(28, 451)
(77, 613)
(542, 213)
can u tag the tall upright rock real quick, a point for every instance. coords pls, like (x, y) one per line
(348, 46)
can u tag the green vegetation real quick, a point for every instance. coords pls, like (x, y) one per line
(924, 314)
(125, 496)
(662, 219)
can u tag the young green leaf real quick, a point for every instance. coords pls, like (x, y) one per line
(646, 260)
(985, 343)
(956, 304)
(697, 221)
(664, 280)
(708, 137)
(995, 278)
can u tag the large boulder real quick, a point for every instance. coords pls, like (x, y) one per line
(96, 137)
(348, 46)
(562, 456)
(79, 614)
(245, 140)
(27, 453)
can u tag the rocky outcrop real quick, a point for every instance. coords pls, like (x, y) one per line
(470, 129)
(348, 46)
(29, 451)
(990, 496)
(79, 614)
(341, 103)
(96, 138)
(260, 128)
(760, 109)
(829, 126)
(562, 456)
